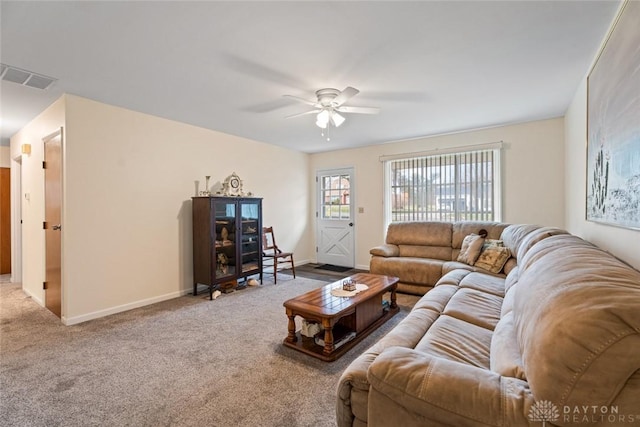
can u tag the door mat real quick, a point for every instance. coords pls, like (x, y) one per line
(330, 267)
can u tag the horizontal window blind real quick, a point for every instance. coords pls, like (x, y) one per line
(444, 187)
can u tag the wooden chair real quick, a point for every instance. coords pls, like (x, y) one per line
(270, 251)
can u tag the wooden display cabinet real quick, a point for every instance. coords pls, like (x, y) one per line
(227, 242)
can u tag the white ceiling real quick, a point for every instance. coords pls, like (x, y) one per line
(431, 66)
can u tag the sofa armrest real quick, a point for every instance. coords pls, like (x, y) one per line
(419, 388)
(385, 250)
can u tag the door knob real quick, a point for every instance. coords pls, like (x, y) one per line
(57, 227)
(350, 224)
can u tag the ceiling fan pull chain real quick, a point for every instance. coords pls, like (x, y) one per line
(325, 132)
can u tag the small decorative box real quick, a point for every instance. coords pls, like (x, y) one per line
(349, 285)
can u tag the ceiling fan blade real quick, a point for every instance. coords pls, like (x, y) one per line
(348, 93)
(359, 110)
(304, 101)
(302, 114)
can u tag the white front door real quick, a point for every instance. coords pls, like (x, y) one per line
(335, 217)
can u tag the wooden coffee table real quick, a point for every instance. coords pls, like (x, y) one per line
(360, 314)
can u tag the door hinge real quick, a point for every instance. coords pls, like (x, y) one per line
(44, 285)
(316, 249)
(44, 225)
(44, 164)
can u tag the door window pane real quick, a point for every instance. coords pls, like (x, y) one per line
(335, 197)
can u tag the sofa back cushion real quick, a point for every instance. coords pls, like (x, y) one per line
(442, 253)
(519, 238)
(419, 233)
(421, 239)
(513, 235)
(577, 322)
(505, 356)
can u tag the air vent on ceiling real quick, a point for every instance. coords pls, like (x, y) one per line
(24, 77)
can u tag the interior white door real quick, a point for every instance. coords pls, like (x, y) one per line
(335, 232)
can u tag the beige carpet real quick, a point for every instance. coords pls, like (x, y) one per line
(184, 362)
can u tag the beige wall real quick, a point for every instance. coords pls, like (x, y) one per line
(533, 191)
(5, 157)
(621, 242)
(129, 178)
(32, 197)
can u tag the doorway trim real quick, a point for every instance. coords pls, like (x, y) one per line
(16, 219)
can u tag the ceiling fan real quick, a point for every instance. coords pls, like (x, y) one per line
(329, 105)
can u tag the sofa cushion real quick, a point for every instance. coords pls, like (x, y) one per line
(509, 265)
(410, 388)
(493, 258)
(422, 271)
(450, 266)
(471, 247)
(455, 265)
(385, 250)
(437, 298)
(577, 322)
(436, 252)
(505, 354)
(508, 301)
(456, 340)
(519, 239)
(475, 307)
(419, 233)
(512, 278)
(484, 282)
(513, 235)
(509, 291)
(454, 277)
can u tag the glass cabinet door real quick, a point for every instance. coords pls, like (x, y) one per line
(251, 233)
(225, 240)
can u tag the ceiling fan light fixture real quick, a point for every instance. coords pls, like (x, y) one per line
(336, 119)
(328, 106)
(322, 119)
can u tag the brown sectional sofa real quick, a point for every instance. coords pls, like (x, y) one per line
(419, 252)
(554, 338)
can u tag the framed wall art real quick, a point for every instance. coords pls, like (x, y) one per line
(613, 125)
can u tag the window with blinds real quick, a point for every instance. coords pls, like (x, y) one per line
(444, 187)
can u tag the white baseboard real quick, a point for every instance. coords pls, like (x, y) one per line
(136, 304)
(125, 307)
(33, 296)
